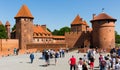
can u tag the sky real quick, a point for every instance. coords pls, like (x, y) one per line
(60, 13)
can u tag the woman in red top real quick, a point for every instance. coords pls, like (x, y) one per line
(72, 62)
(92, 62)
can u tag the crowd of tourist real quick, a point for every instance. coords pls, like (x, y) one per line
(50, 54)
(111, 61)
(85, 62)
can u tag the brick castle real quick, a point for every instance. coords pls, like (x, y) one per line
(27, 35)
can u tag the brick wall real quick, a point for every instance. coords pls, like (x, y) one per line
(8, 44)
(40, 47)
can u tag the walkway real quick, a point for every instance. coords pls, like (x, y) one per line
(22, 62)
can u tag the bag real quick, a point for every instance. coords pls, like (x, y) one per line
(103, 63)
(88, 62)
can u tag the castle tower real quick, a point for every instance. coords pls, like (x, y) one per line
(7, 26)
(103, 31)
(0, 23)
(24, 27)
(78, 25)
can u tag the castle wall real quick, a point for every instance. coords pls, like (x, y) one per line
(77, 39)
(41, 47)
(8, 44)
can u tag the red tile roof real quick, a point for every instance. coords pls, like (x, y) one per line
(24, 12)
(38, 29)
(77, 20)
(103, 16)
(7, 23)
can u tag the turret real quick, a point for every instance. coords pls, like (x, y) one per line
(24, 27)
(103, 31)
(7, 26)
(78, 25)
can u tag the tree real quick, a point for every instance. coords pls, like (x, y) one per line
(3, 33)
(14, 27)
(117, 38)
(48, 29)
(61, 31)
(55, 32)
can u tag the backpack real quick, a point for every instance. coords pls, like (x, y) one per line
(103, 63)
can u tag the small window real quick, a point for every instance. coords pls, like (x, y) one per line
(36, 34)
(37, 40)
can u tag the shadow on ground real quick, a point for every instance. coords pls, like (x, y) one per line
(44, 65)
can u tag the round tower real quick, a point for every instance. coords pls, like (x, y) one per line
(103, 31)
(7, 26)
(24, 27)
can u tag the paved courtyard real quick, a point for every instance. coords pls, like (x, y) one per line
(22, 62)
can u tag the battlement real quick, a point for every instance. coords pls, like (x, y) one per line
(73, 33)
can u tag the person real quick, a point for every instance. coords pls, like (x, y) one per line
(15, 50)
(31, 57)
(56, 56)
(72, 62)
(80, 63)
(85, 58)
(47, 58)
(84, 66)
(92, 62)
(108, 63)
(117, 66)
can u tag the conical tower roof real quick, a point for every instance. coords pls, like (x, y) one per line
(24, 12)
(77, 20)
(7, 23)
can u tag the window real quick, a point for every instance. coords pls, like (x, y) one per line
(36, 34)
(37, 40)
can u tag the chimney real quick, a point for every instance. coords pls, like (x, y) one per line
(94, 16)
(43, 26)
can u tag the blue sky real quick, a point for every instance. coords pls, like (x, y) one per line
(59, 13)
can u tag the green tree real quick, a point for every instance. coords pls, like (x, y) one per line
(3, 33)
(117, 38)
(48, 29)
(61, 31)
(55, 32)
(14, 27)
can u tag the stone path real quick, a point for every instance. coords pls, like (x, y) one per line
(22, 62)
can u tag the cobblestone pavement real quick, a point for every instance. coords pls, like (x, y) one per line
(22, 62)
